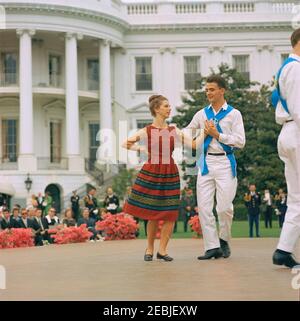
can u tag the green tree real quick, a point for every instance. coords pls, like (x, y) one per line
(125, 179)
(258, 162)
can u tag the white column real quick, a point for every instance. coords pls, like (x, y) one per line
(105, 85)
(76, 162)
(107, 141)
(27, 159)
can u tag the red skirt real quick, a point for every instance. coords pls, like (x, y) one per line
(155, 194)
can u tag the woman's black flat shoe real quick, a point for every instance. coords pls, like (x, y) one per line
(166, 257)
(148, 257)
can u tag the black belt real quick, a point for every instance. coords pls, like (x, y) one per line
(217, 154)
(289, 120)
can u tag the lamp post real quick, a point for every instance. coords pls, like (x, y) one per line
(28, 183)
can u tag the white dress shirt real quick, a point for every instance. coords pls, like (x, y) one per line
(289, 84)
(232, 126)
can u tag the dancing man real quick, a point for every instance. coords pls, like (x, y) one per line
(288, 115)
(217, 175)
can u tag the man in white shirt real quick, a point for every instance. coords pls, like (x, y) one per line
(289, 152)
(224, 128)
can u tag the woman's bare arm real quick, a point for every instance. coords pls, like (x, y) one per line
(188, 141)
(130, 143)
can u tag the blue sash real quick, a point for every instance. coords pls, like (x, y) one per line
(276, 97)
(229, 150)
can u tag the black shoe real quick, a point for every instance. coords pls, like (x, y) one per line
(148, 257)
(225, 248)
(216, 253)
(166, 257)
(284, 258)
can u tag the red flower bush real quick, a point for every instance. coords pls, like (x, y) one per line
(118, 227)
(195, 225)
(66, 235)
(16, 237)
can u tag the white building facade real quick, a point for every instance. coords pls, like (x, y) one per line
(70, 68)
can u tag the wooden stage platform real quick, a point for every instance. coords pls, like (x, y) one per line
(115, 270)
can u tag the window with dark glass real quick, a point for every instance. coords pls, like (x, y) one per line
(54, 71)
(141, 123)
(9, 140)
(55, 142)
(191, 73)
(9, 69)
(143, 76)
(93, 74)
(93, 142)
(241, 64)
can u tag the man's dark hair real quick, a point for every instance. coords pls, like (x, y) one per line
(295, 37)
(220, 81)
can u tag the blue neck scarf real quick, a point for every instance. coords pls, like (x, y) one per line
(229, 150)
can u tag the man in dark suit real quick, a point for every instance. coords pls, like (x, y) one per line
(7, 222)
(90, 223)
(41, 226)
(91, 203)
(253, 202)
(16, 212)
(75, 205)
(24, 221)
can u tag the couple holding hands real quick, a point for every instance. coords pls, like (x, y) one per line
(155, 195)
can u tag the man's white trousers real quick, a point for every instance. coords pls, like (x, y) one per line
(219, 183)
(289, 152)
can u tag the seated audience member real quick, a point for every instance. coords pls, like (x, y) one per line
(24, 221)
(6, 221)
(101, 214)
(51, 218)
(16, 214)
(31, 212)
(41, 227)
(69, 219)
(90, 223)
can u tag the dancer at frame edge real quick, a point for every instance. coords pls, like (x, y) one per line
(288, 115)
(155, 195)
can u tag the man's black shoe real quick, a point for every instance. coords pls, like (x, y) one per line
(284, 258)
(209, 254)
(225, 248)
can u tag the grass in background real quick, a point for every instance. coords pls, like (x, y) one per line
(239, 229)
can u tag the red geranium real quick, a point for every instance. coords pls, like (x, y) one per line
(118, 227)
(66, 235)
(195, 225)
(16, 237)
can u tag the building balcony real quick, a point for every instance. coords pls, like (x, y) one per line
(208, 12)
(48, 85)
(51, 81)
(151, 12)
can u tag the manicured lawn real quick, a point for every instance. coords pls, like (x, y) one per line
(239, 229)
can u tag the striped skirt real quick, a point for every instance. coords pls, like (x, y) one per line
(155, 194)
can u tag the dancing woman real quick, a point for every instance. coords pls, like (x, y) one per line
(155, 195)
